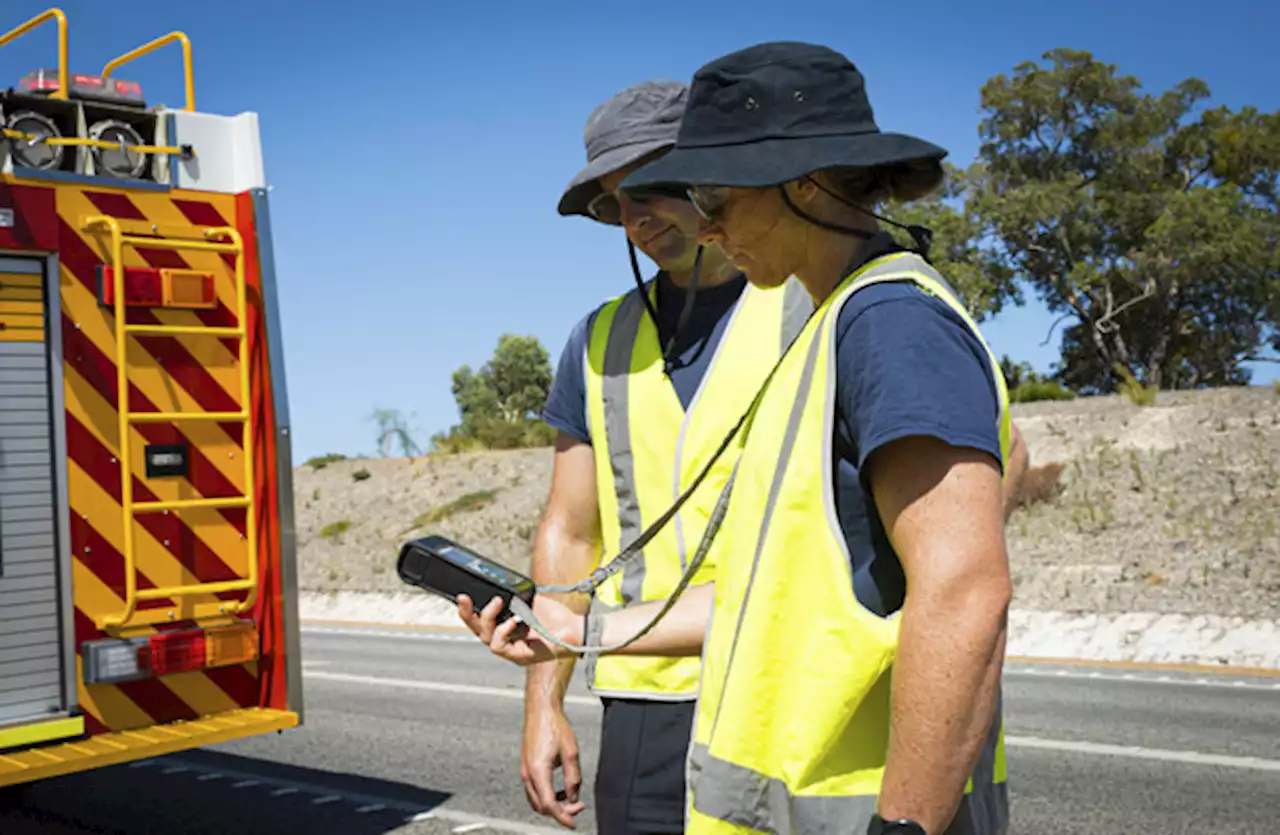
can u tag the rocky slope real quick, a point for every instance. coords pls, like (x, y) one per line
(1169, 508)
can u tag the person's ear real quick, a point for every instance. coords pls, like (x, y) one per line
(803, 191)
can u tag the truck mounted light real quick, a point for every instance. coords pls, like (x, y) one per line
(115, 660)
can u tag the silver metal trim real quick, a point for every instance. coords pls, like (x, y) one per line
(58, 417)
(87, 179)
(284, 457)
(171, 137)
(19, 265)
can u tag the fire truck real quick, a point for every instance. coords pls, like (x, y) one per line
(148, 587)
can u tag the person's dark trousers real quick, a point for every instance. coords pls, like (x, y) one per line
(640, 780)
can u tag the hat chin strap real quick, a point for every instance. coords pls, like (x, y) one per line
(921, 235)
(685, 312)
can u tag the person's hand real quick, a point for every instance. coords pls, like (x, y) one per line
(513, 640)
(549, 743)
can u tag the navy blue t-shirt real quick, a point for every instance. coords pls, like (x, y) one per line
(566, 407)
(906, 364)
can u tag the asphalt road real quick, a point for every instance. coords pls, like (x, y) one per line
(414, 732)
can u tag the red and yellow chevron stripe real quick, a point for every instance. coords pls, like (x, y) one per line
(183, 373)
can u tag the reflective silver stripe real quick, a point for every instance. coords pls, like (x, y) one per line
(797, 305)
(744, 797)
(617, 427)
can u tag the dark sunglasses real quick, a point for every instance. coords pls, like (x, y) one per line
(607, 208)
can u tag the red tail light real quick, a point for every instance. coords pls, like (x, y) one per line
(177, 652)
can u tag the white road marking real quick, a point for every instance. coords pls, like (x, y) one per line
(469, 827)
(423, 635)
(1014, 669)
(1096, 748)
(1019, 671)
(1136, 752)
(441, 686)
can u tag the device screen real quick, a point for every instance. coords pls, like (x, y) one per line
(479, 564)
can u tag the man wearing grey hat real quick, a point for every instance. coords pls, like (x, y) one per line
(648, 385)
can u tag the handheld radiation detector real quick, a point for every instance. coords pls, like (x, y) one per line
(447, 569)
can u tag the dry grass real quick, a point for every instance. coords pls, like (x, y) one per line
(1165, 507)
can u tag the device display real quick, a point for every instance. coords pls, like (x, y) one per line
(445, 568)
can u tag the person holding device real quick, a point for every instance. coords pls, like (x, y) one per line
(853, 636)
(646, 385)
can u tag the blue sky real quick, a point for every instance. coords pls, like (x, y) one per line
(416, 151)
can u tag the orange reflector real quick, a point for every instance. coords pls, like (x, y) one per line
(187, 289)
(231, 644)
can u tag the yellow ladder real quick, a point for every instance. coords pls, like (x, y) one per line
(138, 234)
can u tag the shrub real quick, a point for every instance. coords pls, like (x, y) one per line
(321, 461)
(1041, 484)
(360, 474)
(1033, 390)
(468, 502)
(1135, 392)
(335, 529)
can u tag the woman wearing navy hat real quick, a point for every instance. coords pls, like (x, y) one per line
(851, 671)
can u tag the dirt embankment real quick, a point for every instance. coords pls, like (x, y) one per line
(1170, 508)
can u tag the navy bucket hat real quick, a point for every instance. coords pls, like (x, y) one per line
(776, 112)
(636, 122)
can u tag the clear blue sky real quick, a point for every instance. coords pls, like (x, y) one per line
(416, 151)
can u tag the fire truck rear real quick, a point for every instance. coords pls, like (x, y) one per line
(147, 574)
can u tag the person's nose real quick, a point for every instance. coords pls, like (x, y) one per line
(632, 213)
(709, 232)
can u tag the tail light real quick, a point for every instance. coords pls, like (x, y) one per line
(114, 660)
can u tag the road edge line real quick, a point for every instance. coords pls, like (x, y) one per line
(1154, 666)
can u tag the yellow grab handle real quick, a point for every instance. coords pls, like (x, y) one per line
(116, 63)
(49, 14)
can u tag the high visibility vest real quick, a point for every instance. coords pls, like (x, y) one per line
(649, 449)
(792, 726)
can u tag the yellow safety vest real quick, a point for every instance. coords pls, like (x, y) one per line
(793, 719)
(648, 450)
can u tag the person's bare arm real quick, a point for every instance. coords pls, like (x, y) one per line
(566, 549)
(941, 506)
(1014, 471)
(679, 633)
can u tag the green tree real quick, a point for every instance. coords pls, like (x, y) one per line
(499, 405)
(982, 280)
(1150, 228)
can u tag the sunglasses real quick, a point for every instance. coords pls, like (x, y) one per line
(709, 200)
(607, 208)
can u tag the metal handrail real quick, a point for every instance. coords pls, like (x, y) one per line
(48, 14)
(126, 418)
(116, 63)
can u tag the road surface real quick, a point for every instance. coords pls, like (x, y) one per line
(418, 732)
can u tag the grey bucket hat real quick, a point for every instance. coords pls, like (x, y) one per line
(634, 123)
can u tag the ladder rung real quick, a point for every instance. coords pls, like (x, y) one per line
(179, 330)
(202, 588)
(177, 243)
(166, 417)
(191, 504)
